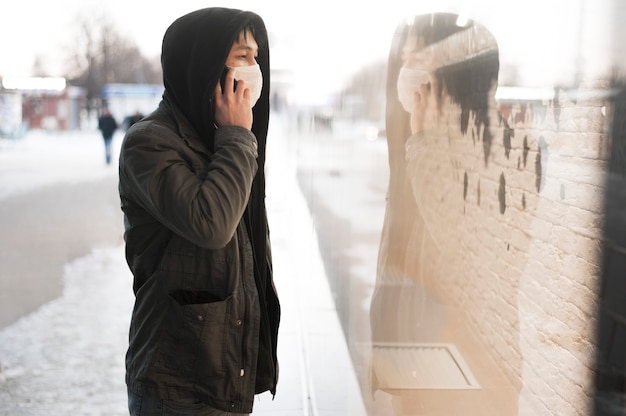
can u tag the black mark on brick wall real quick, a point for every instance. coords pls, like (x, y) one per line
(502, 193)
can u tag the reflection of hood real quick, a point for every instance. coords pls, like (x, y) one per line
(194, 52)
(465, 61)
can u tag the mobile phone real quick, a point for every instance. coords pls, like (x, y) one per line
(223, 79)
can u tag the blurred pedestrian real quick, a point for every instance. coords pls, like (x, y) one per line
(107, 126)
(134, 118)
(204, 328)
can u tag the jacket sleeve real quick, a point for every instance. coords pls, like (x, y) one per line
(203, 206)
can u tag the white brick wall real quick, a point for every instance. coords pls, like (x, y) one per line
(527, 279)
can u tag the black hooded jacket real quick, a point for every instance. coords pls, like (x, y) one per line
(206, 316)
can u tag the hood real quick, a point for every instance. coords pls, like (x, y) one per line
(194, 52)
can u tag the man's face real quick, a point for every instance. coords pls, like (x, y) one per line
(243, 52)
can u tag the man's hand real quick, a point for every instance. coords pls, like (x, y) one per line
(425, 113)
(233, 108)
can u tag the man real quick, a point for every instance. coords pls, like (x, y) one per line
(107, 126)
(205, 323)
(134, 118)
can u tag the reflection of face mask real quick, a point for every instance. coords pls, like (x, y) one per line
(253, 78)
(409, 81)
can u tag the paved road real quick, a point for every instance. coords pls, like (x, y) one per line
(58, 200)
(46, 228)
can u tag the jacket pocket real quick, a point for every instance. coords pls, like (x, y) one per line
(193, 341)
(197, 297)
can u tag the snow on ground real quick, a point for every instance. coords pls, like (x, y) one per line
(71, 350)
(42, 158)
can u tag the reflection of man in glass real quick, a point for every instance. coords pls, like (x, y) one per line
(413, 97)
(441, 77)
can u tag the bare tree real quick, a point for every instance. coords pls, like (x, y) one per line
(81, 64)
(101, 55)
(133, 68)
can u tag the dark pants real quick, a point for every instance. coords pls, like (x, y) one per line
(148, 406)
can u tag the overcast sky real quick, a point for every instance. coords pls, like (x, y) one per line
(42, 28)
(327, 38)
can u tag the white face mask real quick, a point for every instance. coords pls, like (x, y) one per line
(409, 81)
(253, 78)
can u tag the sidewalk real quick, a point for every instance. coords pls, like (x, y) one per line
(317, 377)
(67, 357)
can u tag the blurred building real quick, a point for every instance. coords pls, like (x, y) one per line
(124, 100)
(39, 103)
(10, 114)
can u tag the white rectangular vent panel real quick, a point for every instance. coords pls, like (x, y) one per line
(437, 366)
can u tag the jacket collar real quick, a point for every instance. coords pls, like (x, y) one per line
(185, 129)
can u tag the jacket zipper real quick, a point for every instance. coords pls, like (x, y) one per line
(244, 318)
